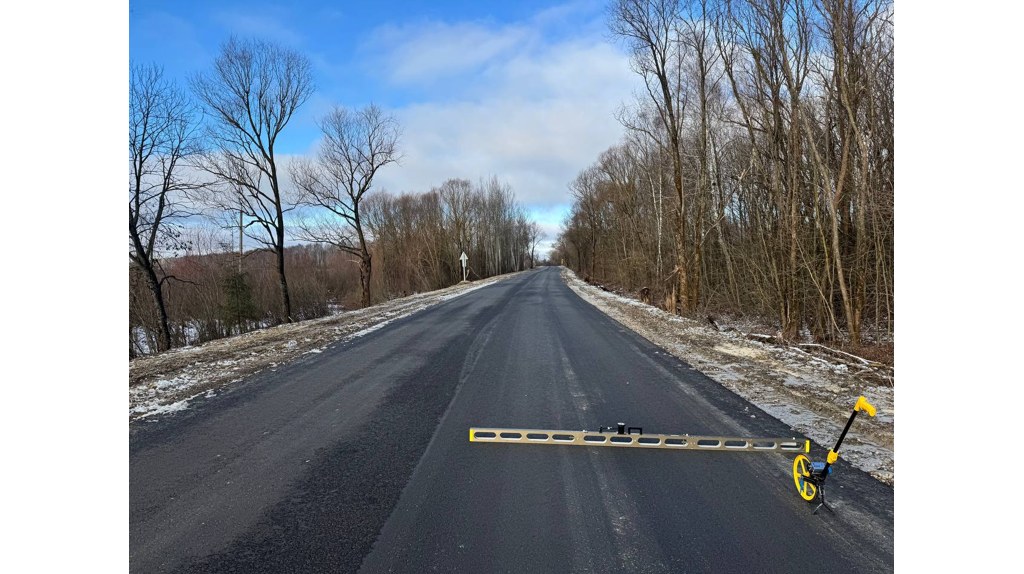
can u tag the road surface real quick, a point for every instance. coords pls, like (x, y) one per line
(357, 459)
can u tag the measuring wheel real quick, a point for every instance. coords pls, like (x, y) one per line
(801, 472)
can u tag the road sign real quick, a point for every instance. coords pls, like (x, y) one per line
(463, 258)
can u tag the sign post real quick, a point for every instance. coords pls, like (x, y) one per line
(463, 258)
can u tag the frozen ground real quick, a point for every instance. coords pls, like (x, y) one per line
(810, 388)
(165, 383)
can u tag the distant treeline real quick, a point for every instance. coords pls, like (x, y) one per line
(415, 241)
(757, 171)
(419, 237)
(211, 298)
(209, 153)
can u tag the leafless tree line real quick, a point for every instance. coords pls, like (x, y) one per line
(215, 300)
(212, 154)
(757, 172)
(420, 237)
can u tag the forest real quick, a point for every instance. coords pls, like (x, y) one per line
(227, 234)
(756, 174)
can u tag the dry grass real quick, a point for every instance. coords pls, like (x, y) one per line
(884, 353)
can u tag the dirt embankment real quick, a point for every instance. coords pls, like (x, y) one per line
(810, 388)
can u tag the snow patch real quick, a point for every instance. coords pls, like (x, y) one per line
(144, 411)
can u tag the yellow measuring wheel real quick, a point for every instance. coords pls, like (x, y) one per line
(810, 476)
(802, 470)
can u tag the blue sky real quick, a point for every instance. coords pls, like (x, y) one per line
(526, 91)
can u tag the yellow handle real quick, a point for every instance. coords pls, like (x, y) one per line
(862, 403)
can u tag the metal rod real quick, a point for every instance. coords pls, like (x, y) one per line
(839, 442)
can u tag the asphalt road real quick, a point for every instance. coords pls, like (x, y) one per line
(357, 459)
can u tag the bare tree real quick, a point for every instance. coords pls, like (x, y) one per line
(356, 145)
(250, 95)
(535, 235)
(458, 200)
(161, 126)
(587, 212)
(855, 34)
(650, 28)
(787, 157)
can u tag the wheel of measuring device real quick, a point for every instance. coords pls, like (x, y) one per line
(802, 470)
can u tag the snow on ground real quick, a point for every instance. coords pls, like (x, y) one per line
(165, 383)
(811, 393)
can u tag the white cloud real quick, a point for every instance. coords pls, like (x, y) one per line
(531, 111)
(431, 51)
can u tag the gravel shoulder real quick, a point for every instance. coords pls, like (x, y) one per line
(810, 389)
(165, 383)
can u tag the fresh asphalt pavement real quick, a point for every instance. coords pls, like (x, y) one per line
(358, 459)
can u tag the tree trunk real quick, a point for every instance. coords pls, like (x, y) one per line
(593, 256)
(164, 341)
(682, 288)
(730, 272)
(364, 277)
(286, 302)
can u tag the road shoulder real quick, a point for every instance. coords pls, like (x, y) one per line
(165, 383)
(811, 394)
